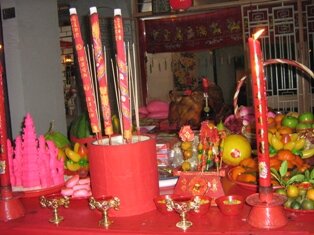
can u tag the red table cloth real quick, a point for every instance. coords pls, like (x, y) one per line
(79, 219)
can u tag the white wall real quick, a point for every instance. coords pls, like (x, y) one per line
(226, 71)
(159, 76)
(33, 69)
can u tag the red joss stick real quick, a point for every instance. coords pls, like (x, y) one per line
(123, 75)
(84, 71)
(101, 71)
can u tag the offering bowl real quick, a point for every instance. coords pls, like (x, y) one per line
(160, 203)
(204, 205)
(231, 204)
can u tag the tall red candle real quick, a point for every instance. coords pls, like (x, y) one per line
(260, 108)
(123, 75)
(101, 71)
(4, 168)
(84, 71)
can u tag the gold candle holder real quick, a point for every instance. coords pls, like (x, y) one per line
(55, 201)
(183, 205)
(103, 204)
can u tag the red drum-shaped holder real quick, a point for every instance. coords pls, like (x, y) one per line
(127, 171)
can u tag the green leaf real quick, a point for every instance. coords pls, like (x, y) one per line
(275, 173)
(296, 178)
(283, 168)
(307, 174)
(312, 174)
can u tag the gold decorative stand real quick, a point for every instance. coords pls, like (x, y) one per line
(54, 201)
(103, 204)
(182, 206)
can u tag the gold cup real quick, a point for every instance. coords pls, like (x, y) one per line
(54, 201)
(183, 205)
(103, 204)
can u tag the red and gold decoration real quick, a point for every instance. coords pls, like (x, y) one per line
(100, 61)
(206, 31)
(260, 108)
(267, 210)
(85, 72)
(205, 180)
(122, 75)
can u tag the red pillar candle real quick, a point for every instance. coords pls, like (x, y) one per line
(101, 71)
(84, 71)
(123, 75)
(260, 108)
(4, 167)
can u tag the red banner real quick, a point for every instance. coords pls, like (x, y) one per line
(196, 32)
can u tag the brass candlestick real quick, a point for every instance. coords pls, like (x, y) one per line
(103, 204)
(183, 206)
(54, 201)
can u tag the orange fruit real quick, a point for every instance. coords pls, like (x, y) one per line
(246, 177)
(271, 122)
(284, 130)
(249, 163)
(285, 154)
(310, 194)
(238, 170)
(275, 163)
(186, 145)
(307, 204)
(186, 166)
(281, 191)
(279, 117)
(292, 191)
(187, 154)
(272, 130)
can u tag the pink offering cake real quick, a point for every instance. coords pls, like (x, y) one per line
(33, 162)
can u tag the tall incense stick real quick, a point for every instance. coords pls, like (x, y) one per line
(85, 73)
(123, 75)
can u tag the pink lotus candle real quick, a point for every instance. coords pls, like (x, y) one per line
(260, 107)
(84, 71)
(123, 75)
(101, 71)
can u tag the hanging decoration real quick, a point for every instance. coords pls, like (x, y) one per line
(195, 32)
(180, 5)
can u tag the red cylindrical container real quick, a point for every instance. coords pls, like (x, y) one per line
(127, 171)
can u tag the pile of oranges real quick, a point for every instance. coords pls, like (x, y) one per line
(300, 197)
(247, 170)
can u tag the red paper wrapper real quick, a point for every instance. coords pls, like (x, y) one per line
(101, 71)
(123, 75)
(84, 71)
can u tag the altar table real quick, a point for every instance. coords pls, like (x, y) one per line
(79, 219)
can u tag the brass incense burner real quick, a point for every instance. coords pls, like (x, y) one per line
(103, 204)
(54, 201)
